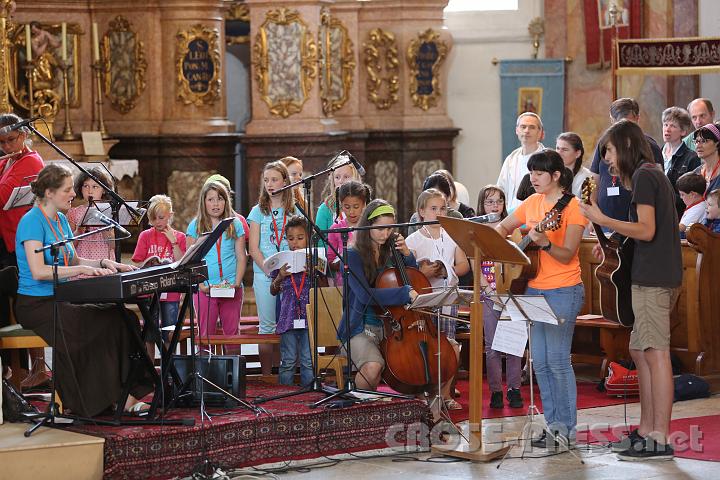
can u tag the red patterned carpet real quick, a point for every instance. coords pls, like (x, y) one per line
(588, 396)
(236, 438)
(697, 438)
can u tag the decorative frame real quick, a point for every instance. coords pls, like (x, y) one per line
(381, 56)
(336, 57)
(198, 65)
(285, 61)
(425, 55)
(17, 80)
(124, 65)
(530, 100)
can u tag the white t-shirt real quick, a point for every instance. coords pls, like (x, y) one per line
(511, 174)
(694, 214)
(433, 249)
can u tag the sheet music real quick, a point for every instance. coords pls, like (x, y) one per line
(449, 296)
(510, 337)
(124, 216)
(295, 259)
(535, 306)
(20, 197)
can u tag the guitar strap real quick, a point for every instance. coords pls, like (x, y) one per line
(563, 202)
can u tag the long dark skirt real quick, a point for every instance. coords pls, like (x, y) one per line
(93, 351)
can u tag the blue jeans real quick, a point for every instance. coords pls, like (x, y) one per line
(294, 350)
(168, 317)
(551, 358)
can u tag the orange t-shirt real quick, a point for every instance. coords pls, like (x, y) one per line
(552, 273)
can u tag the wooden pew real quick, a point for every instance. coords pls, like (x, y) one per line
(695, 337)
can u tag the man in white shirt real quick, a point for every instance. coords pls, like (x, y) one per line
(529, 130)
(701, 113)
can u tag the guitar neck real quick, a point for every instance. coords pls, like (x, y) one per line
(603, 240)
(526, 240)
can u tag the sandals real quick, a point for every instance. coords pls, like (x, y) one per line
(452, 404)
(139, 409)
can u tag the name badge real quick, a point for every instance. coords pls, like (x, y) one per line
(299, 323)
(222, 291)
(613, 191)
(163, 296)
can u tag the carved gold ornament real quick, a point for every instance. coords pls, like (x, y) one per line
(425, 56)
(285, 61)
(337, 62)
(124, 65)
(383, 68)
(198, 65)
(238, 11)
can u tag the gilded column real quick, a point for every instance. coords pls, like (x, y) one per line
(5, 11)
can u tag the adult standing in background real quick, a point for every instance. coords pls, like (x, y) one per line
(570, 147)
(529, 130)
(701, 113)
(678, 158)
(613, 198)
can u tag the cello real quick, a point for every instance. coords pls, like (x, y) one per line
(410, 346)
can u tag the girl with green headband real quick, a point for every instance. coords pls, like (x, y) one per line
(368, 256)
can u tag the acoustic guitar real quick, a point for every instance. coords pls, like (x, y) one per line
(515, 278)
(614, 272)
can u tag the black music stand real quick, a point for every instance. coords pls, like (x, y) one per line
(20, 197)
(195, 255)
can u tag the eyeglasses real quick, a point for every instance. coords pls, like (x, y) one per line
(492, 203)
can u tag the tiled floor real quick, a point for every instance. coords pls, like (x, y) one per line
(598, 463)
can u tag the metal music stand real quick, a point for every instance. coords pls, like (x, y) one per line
(481, 243)
(20, 197)
(532, 411)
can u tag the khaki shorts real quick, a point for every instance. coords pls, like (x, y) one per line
(365, 347)
(652, 307)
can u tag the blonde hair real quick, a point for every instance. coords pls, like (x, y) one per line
(329, 192)
(287, 196)
(159, 203)
(425, 196)
(203, 222)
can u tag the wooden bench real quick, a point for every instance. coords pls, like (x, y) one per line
(613, 341)
(15, 340)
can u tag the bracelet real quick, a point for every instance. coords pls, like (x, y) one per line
(101, 265)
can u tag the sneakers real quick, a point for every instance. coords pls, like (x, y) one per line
(514, 398)
(627, 442)
(646, 451)
(559, 442)
(496, 400)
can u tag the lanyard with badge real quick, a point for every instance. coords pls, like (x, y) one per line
(67, 247)
(614, 190)
(298, 321)
(278, 235)
(223, 289)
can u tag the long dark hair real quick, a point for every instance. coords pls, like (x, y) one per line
(352, 188)
(577, 144)
(631, 146)
(550, 161)
(364, 244)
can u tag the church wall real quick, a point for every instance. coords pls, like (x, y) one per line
(474, 86)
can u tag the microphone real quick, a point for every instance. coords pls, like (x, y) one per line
(489, 218)
(356, 164)
(96, 215)
(20, 124)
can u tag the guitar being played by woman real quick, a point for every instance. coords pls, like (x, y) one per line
(559, 281)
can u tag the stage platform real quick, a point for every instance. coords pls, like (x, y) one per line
(237, 437)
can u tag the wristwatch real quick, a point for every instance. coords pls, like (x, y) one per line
(547, 247)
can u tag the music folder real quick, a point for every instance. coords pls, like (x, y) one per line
(124, 216)
(20, 197)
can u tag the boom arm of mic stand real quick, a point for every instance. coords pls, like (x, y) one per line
(65, 241)
(110, 192)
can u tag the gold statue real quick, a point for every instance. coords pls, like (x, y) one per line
(44, 44)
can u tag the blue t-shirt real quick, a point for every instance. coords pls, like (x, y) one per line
(227, 254)
(616, 206)
(34, 226)
(268, 242)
